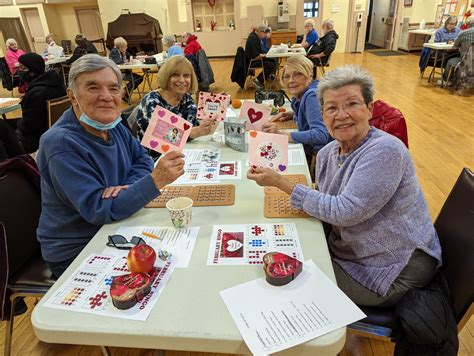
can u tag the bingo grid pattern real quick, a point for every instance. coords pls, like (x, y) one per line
(279, 206)
(202, 195)
(293, 178)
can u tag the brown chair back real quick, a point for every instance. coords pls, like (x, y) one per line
(56, 107)
(455, 228)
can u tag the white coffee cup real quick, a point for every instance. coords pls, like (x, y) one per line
(180, 211)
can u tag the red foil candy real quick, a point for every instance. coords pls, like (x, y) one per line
(281, 269)
(129, 289)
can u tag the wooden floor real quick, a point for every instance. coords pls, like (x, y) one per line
(441, 138)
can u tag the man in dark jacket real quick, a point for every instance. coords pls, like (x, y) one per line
(83, 47)
(254, 50)
(320, 51)
(42, 86)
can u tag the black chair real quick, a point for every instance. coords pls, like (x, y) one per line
(9, 81)
(455, 227)
(26, 273)
(320, 63)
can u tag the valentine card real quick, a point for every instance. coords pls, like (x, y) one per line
(255, 114)
(212, 106)
(268, 150)
(166, 131)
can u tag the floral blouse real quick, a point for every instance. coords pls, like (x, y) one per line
(186, 109)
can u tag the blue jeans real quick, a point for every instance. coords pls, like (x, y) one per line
(58, 268)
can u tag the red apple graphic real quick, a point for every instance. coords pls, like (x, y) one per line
(141, 259)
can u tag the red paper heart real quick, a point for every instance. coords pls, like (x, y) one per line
(165, 148)
(254, 115)
(186, 126)
(281, 269)
(129, 289)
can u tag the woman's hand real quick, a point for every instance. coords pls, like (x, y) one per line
(205, 128)
(270, 127)
(267, 177)
(113, 192)
(169, 168)
(282, 116)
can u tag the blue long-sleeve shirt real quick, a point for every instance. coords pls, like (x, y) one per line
(75, 169)
(311, 129)
(443, 35)
(372, 199)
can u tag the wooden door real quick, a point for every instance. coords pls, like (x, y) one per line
(34, 29)
(90, 26)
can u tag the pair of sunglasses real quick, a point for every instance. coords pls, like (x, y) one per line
(120, 242)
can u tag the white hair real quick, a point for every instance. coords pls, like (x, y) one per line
(10, 41)
(329, 24)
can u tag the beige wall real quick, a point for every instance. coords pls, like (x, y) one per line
(421, 10)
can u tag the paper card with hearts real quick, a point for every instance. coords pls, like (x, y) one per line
(212, 106)
(255, 114)
(166, 131)
(268, 150)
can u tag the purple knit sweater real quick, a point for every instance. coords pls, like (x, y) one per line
(375, 205)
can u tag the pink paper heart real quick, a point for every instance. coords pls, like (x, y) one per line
(173, 119)
(161, 113)
(153, 144)
(254, 115)
(281, 167)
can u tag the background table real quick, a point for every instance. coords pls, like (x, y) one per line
(439, 47)
(8, 105)
(274, 53)
(190, 314)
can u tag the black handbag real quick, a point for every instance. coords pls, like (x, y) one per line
(278, 96)
(150, 60)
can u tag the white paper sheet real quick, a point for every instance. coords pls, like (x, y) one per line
(87, 290)
(201, 166)
(179, 242)
(271, 319)
(246, 244)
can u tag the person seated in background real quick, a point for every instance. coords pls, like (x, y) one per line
(93, 171)
(83, 47)
(52, 48)
(296, 79)
(310, 34)
(465, 40)
(449, 32)
(120, 55)
(12, 55)
(265, 39)
(170, 46)
(42, 86)
(177, 82)
(9, 145)
(254, 50)
(191, 44)
(380, 235)
(325, 45)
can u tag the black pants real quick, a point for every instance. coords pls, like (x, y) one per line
(269, 67)
(9, 144)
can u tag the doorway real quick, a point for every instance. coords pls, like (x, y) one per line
(90, 26)
(34, 29)
(380, 23)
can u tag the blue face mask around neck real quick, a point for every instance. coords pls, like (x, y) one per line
(98, 125)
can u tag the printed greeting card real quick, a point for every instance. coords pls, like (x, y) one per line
(212, 106)
(255, 114)
(268, 150)
(166, 131)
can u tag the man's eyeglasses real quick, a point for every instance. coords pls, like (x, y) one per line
(349, 108)
(295, 76)
(120, 242)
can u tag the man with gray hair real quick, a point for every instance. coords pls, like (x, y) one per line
(321, 50)
(254, 50)
(93, 171)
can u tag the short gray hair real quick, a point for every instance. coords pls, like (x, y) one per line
(347, 75)
(329, 24)
(10, 41)
(120, 42)
(169, 40)
(261, 27)
(91, 63)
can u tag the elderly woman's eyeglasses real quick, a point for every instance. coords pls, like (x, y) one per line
(295, 76)
(349, 108)
(120, 242)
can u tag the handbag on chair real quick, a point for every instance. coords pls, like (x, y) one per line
(278, 96)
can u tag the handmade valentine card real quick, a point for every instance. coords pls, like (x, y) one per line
(166, 131)
(212, 106)
(255, 114)
(268, 150)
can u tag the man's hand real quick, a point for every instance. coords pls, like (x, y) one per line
(270, 127)
(169, 168)
(319, 55)
(282, 116)
(113, 192)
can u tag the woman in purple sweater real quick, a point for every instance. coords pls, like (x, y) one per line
(382, 240)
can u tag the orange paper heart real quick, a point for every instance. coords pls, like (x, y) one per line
(165, 148)
(253, 134)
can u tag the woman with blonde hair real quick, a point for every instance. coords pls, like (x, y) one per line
(176, 82)
(296, 79)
